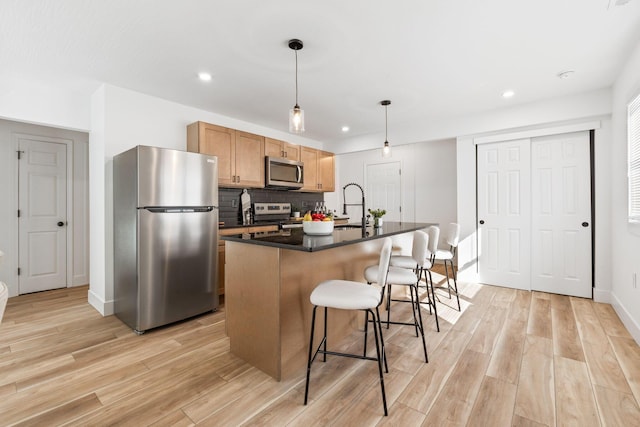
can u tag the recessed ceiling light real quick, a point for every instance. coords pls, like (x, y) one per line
(345, 128)
(205, 77)
(565, 74)
(508, 94)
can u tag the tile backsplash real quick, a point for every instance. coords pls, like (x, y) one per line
(229, 201)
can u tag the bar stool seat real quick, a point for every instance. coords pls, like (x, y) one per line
(345, 295)
(395, 276)
(406, 261)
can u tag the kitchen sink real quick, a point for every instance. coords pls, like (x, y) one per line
(346, 226)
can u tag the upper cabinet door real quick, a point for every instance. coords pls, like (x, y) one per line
(326, 171)
(291, 151)
(273, 147)
(249, 160)
(217, 141)
(309, 156)
(277, 148)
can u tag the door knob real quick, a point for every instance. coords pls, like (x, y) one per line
(481, 221)
(585, 224)
(60, 224)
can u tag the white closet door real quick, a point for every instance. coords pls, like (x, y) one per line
(42, 226)
(561, 214)
(504, 213)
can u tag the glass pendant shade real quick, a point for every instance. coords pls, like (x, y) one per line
(296, 119)
(386, 150)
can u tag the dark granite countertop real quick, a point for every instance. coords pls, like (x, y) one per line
(296, 239)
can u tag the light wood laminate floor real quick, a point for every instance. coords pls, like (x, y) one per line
(510, 358)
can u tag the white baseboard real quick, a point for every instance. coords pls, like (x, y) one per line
(104, 307)
(602, 296)
(628, 321)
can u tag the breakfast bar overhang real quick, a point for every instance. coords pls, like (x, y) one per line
(269, 277)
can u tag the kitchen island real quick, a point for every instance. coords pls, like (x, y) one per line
(269, 277)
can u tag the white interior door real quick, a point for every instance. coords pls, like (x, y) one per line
(42, 192)
(561, 214)
(384, 189)
(504, 213)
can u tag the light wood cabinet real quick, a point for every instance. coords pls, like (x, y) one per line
(241, 157)
(240, 154)
(326, 171)
(319, 170)
(277, 148)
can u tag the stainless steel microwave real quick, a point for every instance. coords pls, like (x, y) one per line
(283, 173)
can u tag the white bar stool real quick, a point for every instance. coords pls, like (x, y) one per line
(349, 295)
(447, 255)
(423, 268)
(406, 277)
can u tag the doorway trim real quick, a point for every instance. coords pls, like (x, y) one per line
(532, 133)
(69, 190)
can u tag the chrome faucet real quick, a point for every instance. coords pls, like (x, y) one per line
(345, 204)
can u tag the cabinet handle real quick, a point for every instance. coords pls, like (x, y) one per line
(238, 181)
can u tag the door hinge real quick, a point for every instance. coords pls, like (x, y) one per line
(18, 213)
(399, 171)
(400, 208)
(18, 271)
(19, 154)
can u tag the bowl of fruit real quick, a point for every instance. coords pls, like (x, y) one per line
(317, 224)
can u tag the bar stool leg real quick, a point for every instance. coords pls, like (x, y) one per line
(378, 352)
(313, 325)
(424, 344)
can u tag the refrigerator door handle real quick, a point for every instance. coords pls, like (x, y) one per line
(183, 209)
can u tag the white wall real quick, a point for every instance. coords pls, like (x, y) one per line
(79, 274)
(428, 180)
(625, 245)
(34, 101)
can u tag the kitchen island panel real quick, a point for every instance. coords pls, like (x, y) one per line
(252, 301)
(267, 299)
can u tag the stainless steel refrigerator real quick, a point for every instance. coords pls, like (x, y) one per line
(165, 236)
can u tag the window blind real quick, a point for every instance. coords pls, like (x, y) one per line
(633, 138)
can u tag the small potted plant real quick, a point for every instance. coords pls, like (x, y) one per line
(377, 216)
(295, 211)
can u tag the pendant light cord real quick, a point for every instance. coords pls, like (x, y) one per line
(386, 126)
(296, 50)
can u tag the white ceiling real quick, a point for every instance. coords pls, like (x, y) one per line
(432, 58)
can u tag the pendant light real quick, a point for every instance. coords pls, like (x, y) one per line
(386, 149)
(296, 114)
